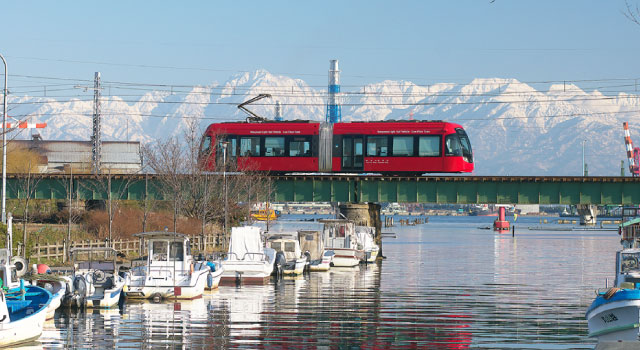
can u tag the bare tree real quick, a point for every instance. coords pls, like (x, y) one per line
(26, 187)
(632, 12)
(73, 214)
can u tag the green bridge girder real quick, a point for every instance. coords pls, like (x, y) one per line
(356, 189)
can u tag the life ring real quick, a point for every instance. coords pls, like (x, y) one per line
(21, 265)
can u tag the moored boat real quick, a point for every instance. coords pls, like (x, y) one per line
(22, 314)
(340, 237)
(287, 245)
(169, 272)
(319, 258)
(95, 280)
(366, 236)
(248, 260)
(614, 315)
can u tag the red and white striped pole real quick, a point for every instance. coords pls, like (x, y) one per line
(633, 167)
(25, 125)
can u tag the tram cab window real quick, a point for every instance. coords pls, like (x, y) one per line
(299, 147)
(402, 146)
(429, 146)
(274, 146)
(452, 146)
(377, 146)
(250, 147)
(466, 145)
(205, 147)
(159, 250)
(176, 252)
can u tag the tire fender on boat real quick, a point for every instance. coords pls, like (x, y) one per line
(21, 265)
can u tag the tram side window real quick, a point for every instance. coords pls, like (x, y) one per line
(250, 146)
(429, 146)
(299, 147)
(452, 146)
(377, 146)
(274, 146)
(402, 146)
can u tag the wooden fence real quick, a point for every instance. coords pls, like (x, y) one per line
(130, 248)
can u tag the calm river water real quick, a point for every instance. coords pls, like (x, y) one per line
(444, 285)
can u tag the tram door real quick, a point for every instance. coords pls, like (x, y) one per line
(352, 153)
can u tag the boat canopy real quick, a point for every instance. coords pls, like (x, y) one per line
(311, 241)
(365, 236)
(245, 244)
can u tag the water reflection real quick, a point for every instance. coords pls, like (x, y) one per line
(445, 285)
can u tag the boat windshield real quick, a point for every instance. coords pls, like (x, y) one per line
(289, 247)
(159, 251)
(630, 262)
(175, 251)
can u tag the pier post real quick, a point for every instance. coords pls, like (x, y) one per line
(365, 214)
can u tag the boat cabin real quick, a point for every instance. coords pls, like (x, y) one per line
(286, 243)
(167, 252)
(629, 232)
(8, 273)
(311, 241)
(628, 268)
(339, 233)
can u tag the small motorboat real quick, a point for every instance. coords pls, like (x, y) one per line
(169, 272)
(288, 246)
(22, 314)
(319, 258)
(366, 236)
(58, 286)
(614, 315)
(95, 279)
(16, 268)
(340, 237)
(248, 260)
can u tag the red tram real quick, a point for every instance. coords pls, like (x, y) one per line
(414, 147)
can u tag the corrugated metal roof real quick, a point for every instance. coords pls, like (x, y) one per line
(114, 153)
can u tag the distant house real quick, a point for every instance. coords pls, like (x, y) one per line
(59, 156)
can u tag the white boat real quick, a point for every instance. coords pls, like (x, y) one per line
(95, 280)
(170, 272)
(340, 237)
(55, 285)
(287, 245)
(248, 260)
(22, 317)
(614, 315)
(311, 242)
(366, 236)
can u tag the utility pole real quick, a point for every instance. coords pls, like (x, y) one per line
(96, 143)
(4, 146)
(584, 165)
(224, 177)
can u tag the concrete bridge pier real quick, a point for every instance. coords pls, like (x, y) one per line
(365, 214)
(588, 213)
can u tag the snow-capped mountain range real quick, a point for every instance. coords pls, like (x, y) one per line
(514, 129)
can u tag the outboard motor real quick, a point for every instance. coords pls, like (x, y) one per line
(80, 290)
(307, 265)
(278, 266)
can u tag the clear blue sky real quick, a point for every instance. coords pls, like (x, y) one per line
(422, 41)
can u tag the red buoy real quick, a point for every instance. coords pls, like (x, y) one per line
(501, 224)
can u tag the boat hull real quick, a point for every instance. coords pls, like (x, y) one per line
(143, 288)
(345, 257)
(246, 272)
(617, 318)
(23, 331)
(109, 299)
(295, 268)
(372, 255)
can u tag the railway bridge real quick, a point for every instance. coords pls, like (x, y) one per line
(582, 191)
